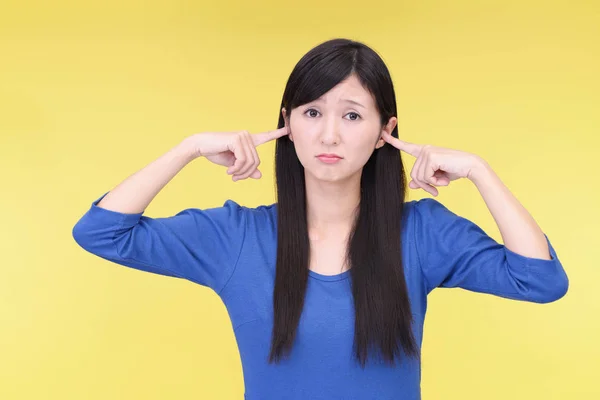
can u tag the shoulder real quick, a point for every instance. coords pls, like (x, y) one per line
(425, 208)
(429, 214)
(232, 208)
(261, 210)
(231, 216)
(262, 214)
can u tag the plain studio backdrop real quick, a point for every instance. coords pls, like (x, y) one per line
(90, 92)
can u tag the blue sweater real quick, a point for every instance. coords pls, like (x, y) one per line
(232, 250)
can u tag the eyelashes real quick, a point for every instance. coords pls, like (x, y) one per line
(352, 112)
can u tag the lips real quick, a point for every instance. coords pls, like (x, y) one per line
(329, 156)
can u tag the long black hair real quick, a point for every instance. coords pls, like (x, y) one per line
(383, 317)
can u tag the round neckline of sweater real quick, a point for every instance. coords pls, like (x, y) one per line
(329, 278)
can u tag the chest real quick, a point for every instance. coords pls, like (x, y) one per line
(328, 257)
(328, 314)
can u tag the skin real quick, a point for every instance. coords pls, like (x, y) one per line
(438, 166)
(353, 131)
(332, 124)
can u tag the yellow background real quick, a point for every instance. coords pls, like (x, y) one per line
(91, 92)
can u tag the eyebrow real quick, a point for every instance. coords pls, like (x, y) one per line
(354, 102)
(345, 101)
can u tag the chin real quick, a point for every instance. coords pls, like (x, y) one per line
(329, 176)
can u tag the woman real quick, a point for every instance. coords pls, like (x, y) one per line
(327, 288)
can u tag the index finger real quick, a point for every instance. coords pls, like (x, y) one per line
(264, 137)
(410, 148)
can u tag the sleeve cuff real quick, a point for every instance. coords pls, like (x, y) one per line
(537, 265)
(113, 216)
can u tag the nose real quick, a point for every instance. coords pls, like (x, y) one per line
(330, 134)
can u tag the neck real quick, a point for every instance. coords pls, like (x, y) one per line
(331, 207)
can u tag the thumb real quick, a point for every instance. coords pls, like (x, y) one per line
(256, 174)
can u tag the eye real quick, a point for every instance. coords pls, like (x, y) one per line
(311, 109)
(356, 114)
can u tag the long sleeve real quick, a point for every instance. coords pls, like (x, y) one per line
(198, 245)
(455, 252)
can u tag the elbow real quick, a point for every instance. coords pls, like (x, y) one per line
(555, 289)
(79, 236)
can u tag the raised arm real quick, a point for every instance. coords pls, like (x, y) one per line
(201, 245)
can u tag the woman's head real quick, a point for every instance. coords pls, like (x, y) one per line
(338, 100)
(321, 119)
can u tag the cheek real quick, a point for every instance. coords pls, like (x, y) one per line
(302, 138)
(304, 152)
(302, 145)
(362, 149)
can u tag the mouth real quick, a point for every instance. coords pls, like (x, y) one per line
(329, 158)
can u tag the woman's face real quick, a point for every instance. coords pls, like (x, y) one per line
(344, 123)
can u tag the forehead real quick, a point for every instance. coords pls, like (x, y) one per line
(348, 89)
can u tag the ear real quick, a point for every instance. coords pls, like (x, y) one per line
(389, 128)
(287, 123)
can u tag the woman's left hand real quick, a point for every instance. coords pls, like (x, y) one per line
(435, 166)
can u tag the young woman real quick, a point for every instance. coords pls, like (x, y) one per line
(327, 288)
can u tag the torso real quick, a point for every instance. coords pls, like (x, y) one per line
(324, 340)
(327, 257)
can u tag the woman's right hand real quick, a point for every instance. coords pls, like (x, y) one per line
(236, 150)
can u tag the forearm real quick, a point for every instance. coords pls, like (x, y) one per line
(136, 192)
(520, 233)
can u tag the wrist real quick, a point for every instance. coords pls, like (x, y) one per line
(188, 150)
(480, 171)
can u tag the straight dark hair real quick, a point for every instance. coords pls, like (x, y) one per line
(383, 317)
